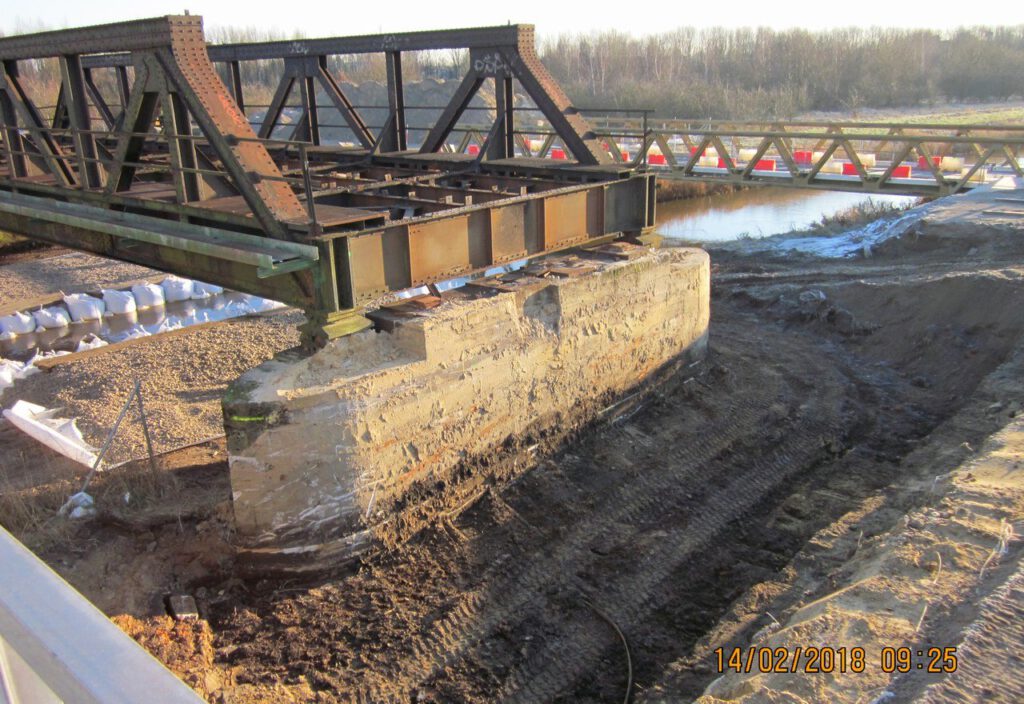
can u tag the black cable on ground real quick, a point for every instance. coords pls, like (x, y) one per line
(625, 645)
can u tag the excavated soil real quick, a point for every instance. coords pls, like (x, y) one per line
(834, 394)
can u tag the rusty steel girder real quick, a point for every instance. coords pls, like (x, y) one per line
(160, 165)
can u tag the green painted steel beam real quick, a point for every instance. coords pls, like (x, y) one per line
(267, 254)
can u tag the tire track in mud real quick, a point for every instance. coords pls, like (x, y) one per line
(511, 592)
(654, 578)
(622, 517)
(986, 655)
(479, 614)
(641, 591)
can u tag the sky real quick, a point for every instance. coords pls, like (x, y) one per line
(551, 17)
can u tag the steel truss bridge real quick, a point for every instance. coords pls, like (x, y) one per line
(150, 151)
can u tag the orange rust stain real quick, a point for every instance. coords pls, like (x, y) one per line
(386, 444)
(492, 425)
(420, 466)
(435, 456)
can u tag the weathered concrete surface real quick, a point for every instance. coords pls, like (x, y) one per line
(329, 451)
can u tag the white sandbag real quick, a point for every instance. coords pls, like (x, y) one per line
(204, 290)
(52, 317)
(148, 295)
(176, 289)
(59, 434)
(119, 302)
(84, 307)
(80, 505)
(90, 342)
(11, 370)
(134, 333)
(17, 324)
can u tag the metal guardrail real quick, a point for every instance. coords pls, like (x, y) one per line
(56, 646)
(921, 159)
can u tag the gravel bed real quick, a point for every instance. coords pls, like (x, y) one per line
(70, 272)
(183, 378)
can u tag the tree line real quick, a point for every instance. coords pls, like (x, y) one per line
(715, 72)
(731, 73)
(759, 73)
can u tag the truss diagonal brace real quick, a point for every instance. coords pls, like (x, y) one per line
(343, 105)
(249, 164)
(453, 111)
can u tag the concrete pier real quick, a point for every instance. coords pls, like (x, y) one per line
(329, 452)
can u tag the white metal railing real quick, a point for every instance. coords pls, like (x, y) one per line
(56, 646)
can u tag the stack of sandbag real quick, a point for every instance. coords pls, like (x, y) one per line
(84, 307)
(118, 302)
(148, 295)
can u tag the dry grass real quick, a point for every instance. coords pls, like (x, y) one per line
(10, 243)
(858, 215)
(31, 513)
(940, 113)
(134, 488)
(31, 510)
(683, 190)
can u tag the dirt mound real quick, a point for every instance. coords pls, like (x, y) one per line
(186, 647)
(924, 325)
(982, 246)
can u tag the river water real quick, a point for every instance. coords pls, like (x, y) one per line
(756, 212)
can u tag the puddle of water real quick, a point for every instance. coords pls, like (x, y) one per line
(757, 212)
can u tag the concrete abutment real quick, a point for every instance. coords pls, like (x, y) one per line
(329, 452)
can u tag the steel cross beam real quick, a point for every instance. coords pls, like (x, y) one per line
(147, 156)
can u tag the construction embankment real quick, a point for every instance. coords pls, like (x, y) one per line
(369, 438)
